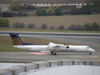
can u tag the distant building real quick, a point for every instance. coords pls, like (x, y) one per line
(63, 4)
(4, 7)
(44, 1)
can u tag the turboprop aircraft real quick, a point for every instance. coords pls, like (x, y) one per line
(51, 47)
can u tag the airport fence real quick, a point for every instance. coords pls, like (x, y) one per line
(17, 70)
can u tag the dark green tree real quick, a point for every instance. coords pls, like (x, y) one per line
(7, 14)
(4, 23)
(43, 11)
(79, 27)
(61, 27)
(87, 27)
(38, 12)
(44, 26)
(52, 27)
(21, 25)
(72, 27)
(95, 26)
(96, 5)
(18, 25)
(86, 9)
(30, 25)
(57, 11)
(50, 12)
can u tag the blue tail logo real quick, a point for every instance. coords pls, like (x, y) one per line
(16, 39)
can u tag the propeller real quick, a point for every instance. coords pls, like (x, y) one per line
(67, 46)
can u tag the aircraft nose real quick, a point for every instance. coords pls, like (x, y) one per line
(92, 50)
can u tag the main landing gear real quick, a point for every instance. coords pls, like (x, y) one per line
(52, 53)
(90, 53)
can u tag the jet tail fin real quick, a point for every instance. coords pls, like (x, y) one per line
(16, 39)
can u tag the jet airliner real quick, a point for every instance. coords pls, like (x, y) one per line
(51, 47)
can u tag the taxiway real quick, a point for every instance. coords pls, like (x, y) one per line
(92, 40)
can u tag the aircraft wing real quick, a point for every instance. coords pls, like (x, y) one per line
(53, 45)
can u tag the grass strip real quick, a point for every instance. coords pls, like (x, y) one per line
(45, 30)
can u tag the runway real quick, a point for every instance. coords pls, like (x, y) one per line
(29, 57)
(92, 40)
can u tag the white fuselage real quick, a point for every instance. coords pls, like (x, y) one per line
(51, 47)
(48, 48)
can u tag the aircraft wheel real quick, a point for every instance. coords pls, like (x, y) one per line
(90, 53)
(54, 53)
(51, 53)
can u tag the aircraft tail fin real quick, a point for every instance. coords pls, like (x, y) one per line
(16, 39)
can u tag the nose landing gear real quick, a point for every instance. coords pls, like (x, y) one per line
(52, 53)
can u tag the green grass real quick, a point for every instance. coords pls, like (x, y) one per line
(7, 46)
(45, 30)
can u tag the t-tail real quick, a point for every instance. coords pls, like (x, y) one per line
(16, 39)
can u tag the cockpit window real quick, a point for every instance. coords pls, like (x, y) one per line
(88, 47)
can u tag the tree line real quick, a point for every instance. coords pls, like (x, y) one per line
(44, 11)
(87, 27)
(51, 11)
(95, 6)
(84, 10)
(92, 6)
(39, 12)
(16, 6)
